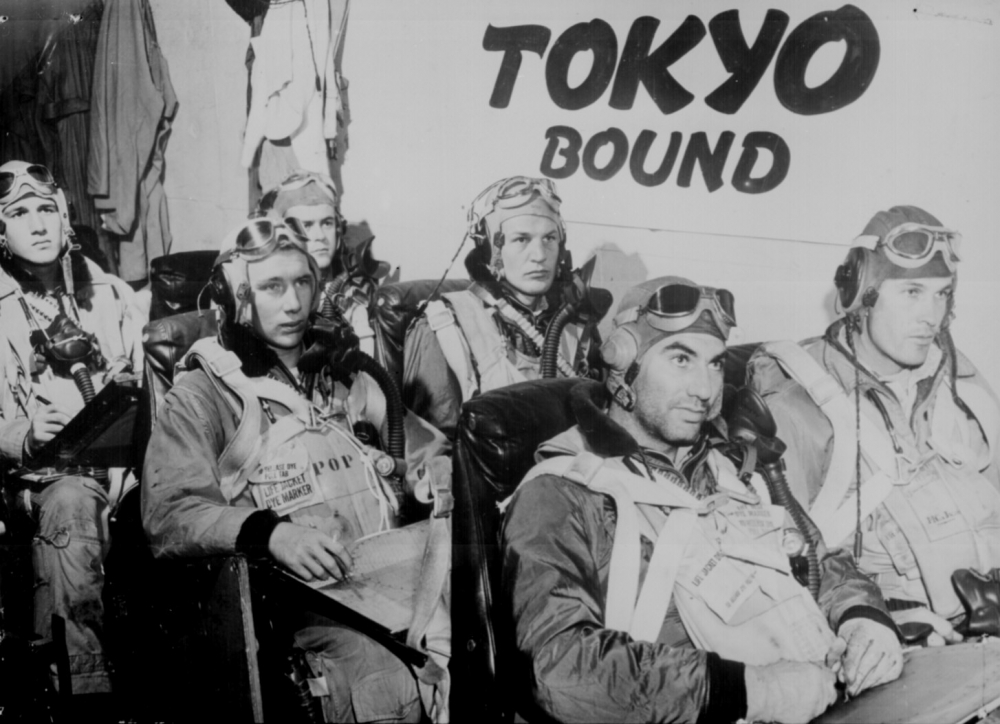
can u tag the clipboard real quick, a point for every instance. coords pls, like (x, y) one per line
(99, 436)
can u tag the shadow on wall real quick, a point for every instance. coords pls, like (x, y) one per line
(616, 271)
(830, 307)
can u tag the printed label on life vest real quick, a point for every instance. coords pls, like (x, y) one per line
(283, 482)
(755, 520)
(937, 511)
(722, 584)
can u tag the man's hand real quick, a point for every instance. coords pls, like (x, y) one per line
(308, 553)
(48, 421)
(873, 655)
(789, 692)
(943, 631)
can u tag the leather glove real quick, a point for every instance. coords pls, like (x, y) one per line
(790, 692)
(873, 656)
(943, 631)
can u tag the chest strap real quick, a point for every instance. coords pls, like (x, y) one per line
(225, 367)
(441, 320)
(834, 509)
(507, 310)
(626, 610)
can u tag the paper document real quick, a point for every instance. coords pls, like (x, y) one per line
(385, 576)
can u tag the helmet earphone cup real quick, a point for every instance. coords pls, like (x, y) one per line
(226, 293)
(220, 292)
(855, 280)
(620, 349)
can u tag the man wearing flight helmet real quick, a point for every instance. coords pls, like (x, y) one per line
(67, 329)
(253, 453)
(309, 201)
(647, 581)
(492, 335)
(884, 396)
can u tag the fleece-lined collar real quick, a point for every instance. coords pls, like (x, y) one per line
(84, 277)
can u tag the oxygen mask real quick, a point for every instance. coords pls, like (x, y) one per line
(64, 345)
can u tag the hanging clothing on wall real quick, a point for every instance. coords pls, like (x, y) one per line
(296, 110)
(64, 86)
(23, 132)
(132, 107)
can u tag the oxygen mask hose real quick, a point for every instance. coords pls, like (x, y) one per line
(550, 349)
(68, 348)
(84, 383)
(583, 304)
(335, 346)
(751, 423)
(395, 410)
(777, 485)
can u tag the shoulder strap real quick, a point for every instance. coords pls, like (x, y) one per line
(983, 403)
(507, 310)
(224, 366)
(658, 588)
(479, 331)
(441, 320)
(219, 363)
(626, 489)
(832, 501)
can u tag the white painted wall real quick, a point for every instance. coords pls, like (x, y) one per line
(205, 46)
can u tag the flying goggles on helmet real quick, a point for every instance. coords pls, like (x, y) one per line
(912, 245)
(512, 193)
(300, 179)
(260, 237)
(35, 175)
(675, 307)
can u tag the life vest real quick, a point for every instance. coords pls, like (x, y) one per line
(311, 469)
(719, 559)
(931, 515)
(476, 351)
(110, 316)
(304, 465)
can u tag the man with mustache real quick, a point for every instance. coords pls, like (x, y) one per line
(492, 334)
(647, 581)
(884, 396)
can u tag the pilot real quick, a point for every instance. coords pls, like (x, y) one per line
(68, 328)
(885, 395)
(239, 462)
(645, 579)
(493, 334)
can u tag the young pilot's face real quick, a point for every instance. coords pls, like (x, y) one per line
(34, 229)
(282, 287)
(319, 224)
(902, 325)
(529, 254)
(679, 387)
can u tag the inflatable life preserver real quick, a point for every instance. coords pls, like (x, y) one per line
(940, 512)
(720, 559)
(465, 329)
